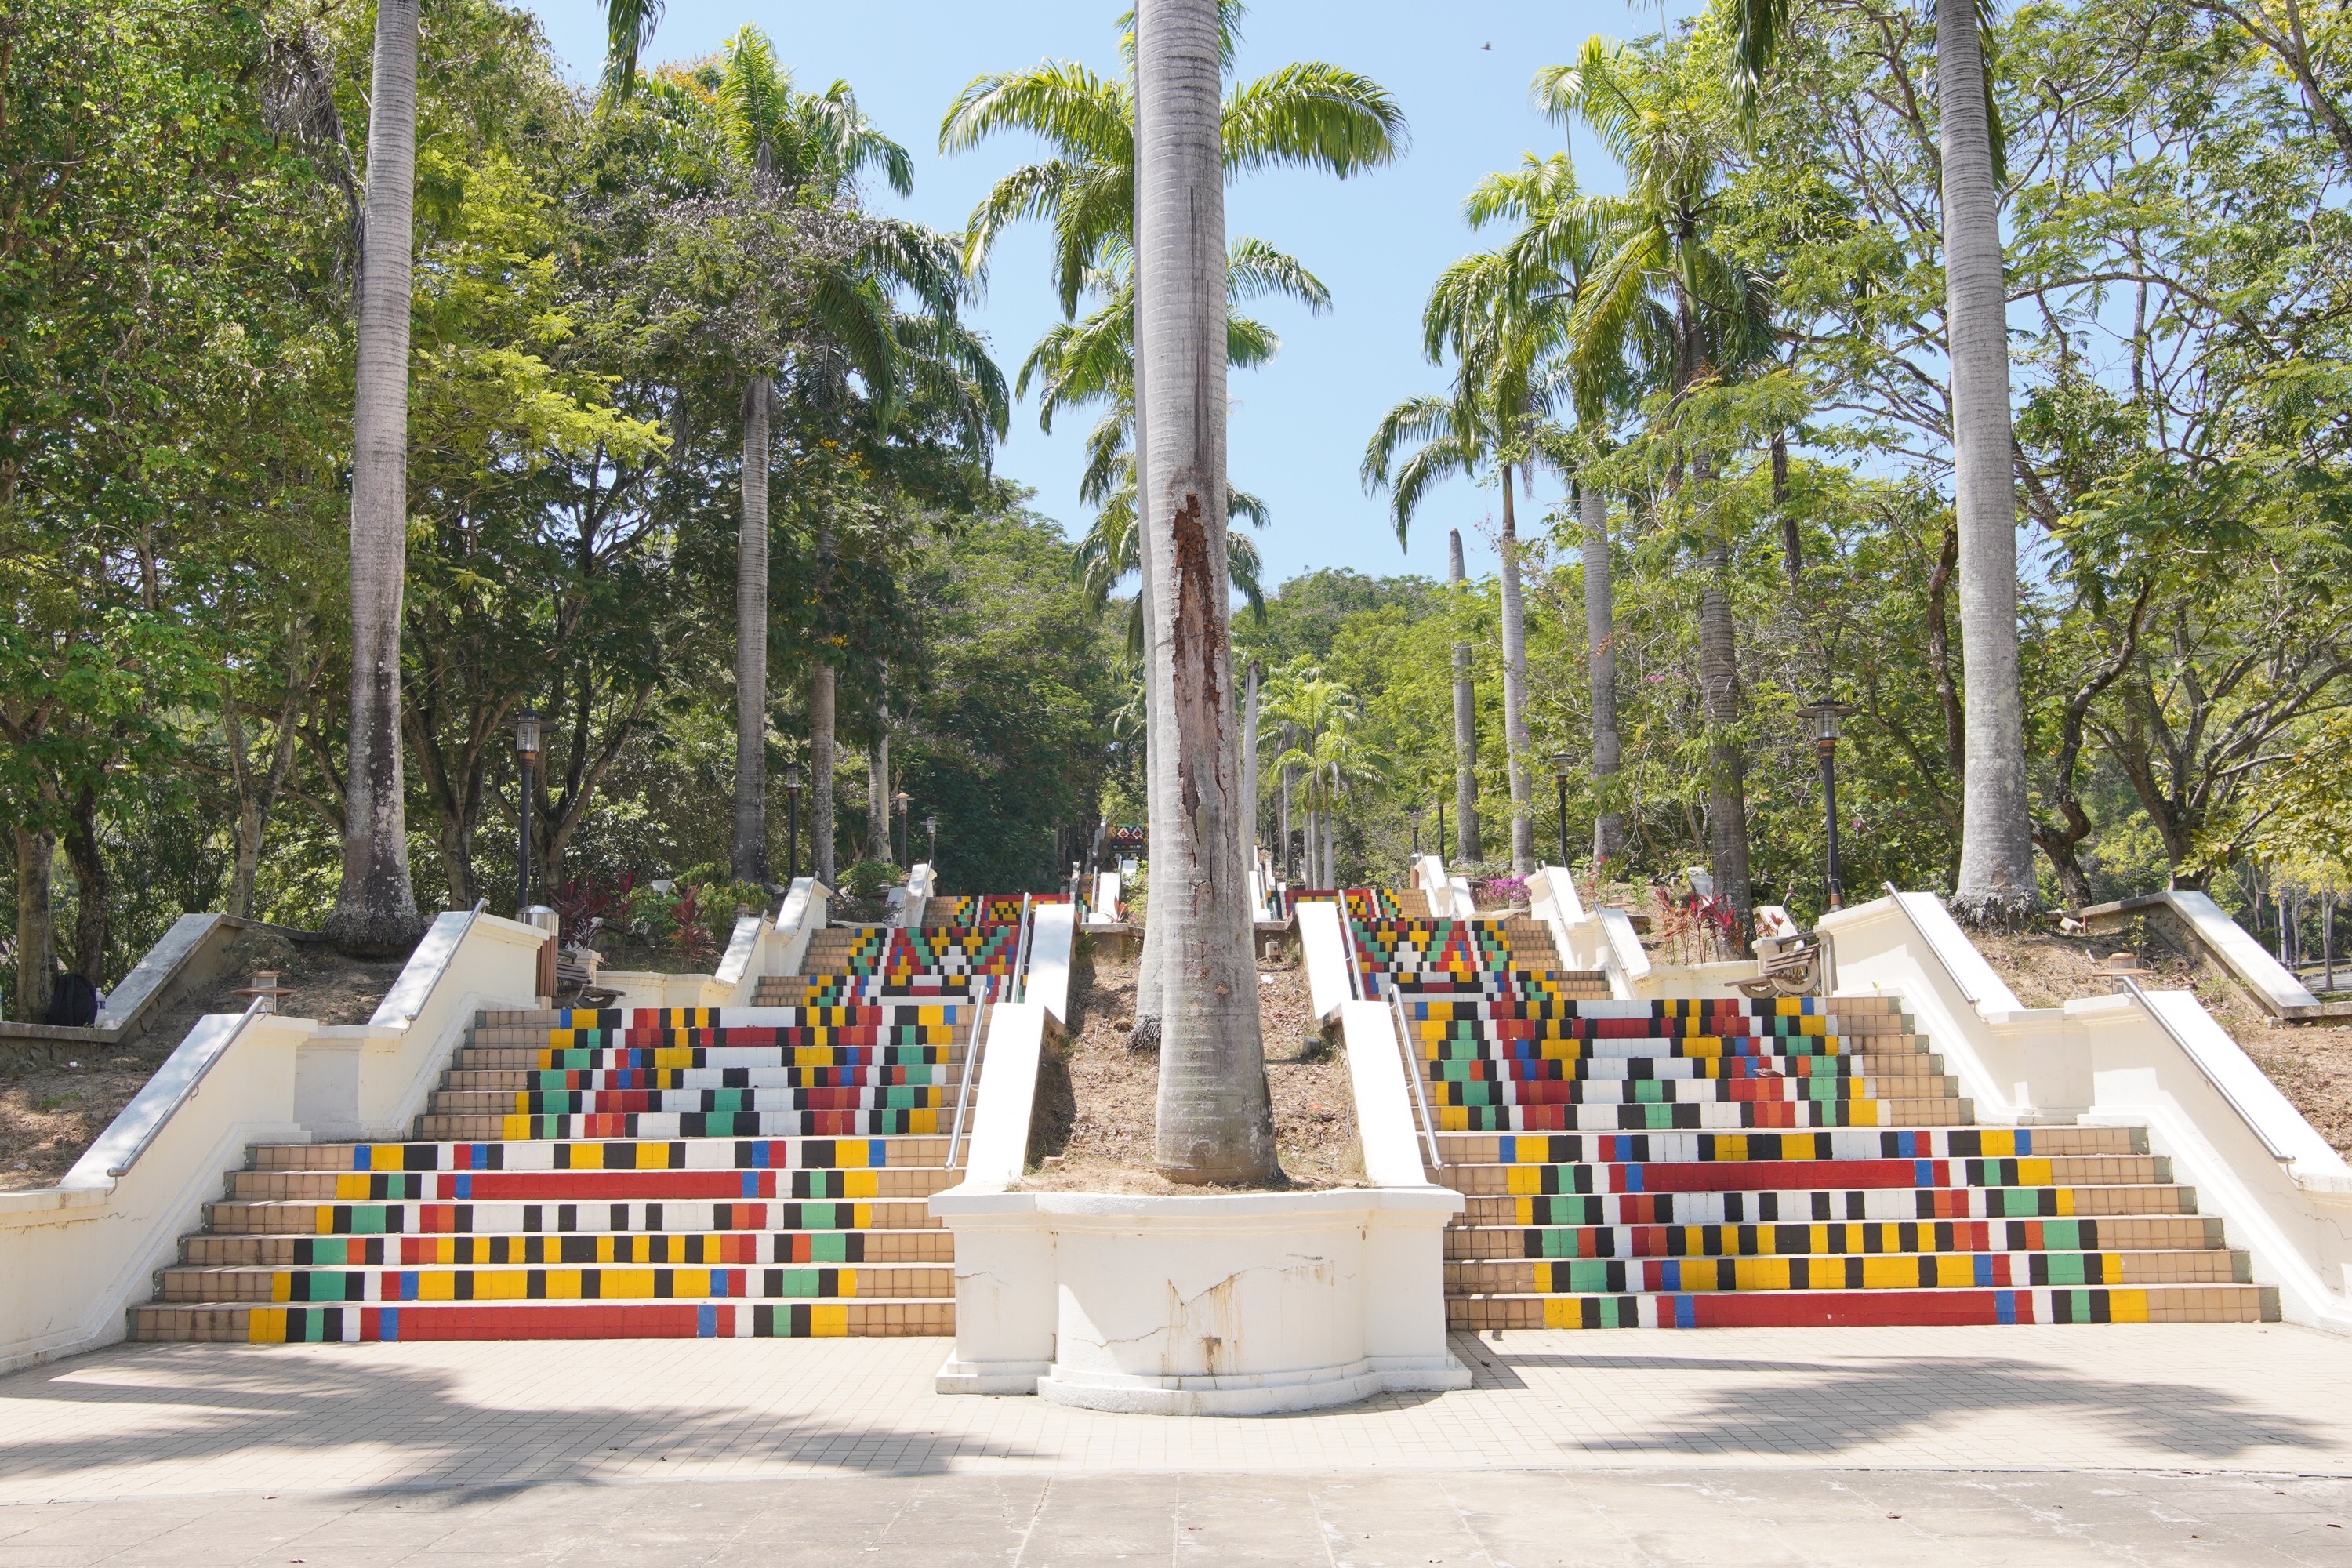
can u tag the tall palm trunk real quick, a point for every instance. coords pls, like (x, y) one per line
(821, 857)
(1515, 692)
(749, 862)
(1249, 767)
(1215, 1122)
(878, 793)
(375, 909)
(1289, 739)
(1996, 881)
(93, 887)
(1150, 967)
(1331, 829)
(36, 939)
(1600, 668)
(1727, 793)
(1466, 724)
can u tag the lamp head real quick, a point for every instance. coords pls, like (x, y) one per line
(793, 777)
(1825, 712)
(1560, 764)
(931, 822)
(526, 735)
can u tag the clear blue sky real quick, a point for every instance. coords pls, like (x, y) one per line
(1299, 425)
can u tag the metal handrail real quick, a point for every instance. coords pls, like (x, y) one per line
(1021, 955)
(1971, 998)
(1413, 1075)
(971, 1071)
(260, 1005)
(2283, 1156)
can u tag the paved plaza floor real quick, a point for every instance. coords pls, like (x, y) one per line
(2227, 1443)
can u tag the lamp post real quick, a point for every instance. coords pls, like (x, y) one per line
(527, 763)
(902, 801)
(792, 822)
(1441, 824)
(1825, 713)
(931, 826)
(1560, 763)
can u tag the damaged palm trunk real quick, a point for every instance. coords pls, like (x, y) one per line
(1215, 1123)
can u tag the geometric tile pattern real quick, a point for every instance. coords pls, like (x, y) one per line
(659, 1173)
(1688, 1163)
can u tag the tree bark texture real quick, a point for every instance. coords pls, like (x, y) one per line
(93, 887)
(375, 909)
(1515, 692)
(1150, 967)
(1996, 883)
(1249, 768)
(1601, 669)
(1465, 724)
(821, 857)
(749, 861)
(1727, 793)
(878, 793)
(1215, 1122)
(36, 942)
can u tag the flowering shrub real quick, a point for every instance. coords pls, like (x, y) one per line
(1500, 893)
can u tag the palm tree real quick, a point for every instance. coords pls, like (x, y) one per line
(1465, 720)
(1316, 717)
(1996, 883)
(813, 148)
(1306, 115)
(1662, 295)
(1504, 316)
(375, 907)
(1554, 250)
(1215, 1122)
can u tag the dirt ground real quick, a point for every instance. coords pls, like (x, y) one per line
(1098, 1098)
(2311, 1063)
(53, 1110)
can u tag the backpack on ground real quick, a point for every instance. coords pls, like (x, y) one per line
(73, 1002)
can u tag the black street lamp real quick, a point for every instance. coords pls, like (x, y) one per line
(931, 826)
(792, 822)
(1825, 714)
(903, 803)
(1560, 763)
(527, 762)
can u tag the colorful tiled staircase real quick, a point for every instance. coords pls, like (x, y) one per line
(1719, 1163)
(668, 1174)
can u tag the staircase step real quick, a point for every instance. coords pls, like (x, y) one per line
(1822, 1204)
(1939, 1143)
(1855, 1272)
(1719, 1115)
(584, 1187)
(545, 1080)
(709, 1059)
(736, 1248)
(1831, 1308)
(2155, 1233)
(1777, 1175)
(1685, 1069)
(590, 1282)
(537, 1103)
(690, 1125)
(239, 1324)
(395, 1217)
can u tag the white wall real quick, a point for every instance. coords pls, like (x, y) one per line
(2105, 1059)
(74, 1256)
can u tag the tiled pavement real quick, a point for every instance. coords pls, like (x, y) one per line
(152, 1420)
(1752, 1519)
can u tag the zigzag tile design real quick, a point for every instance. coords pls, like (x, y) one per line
(1694, 1163)
(669, 1172)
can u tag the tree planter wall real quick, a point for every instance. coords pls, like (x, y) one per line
(1236, 1304)
(1225, 1304)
